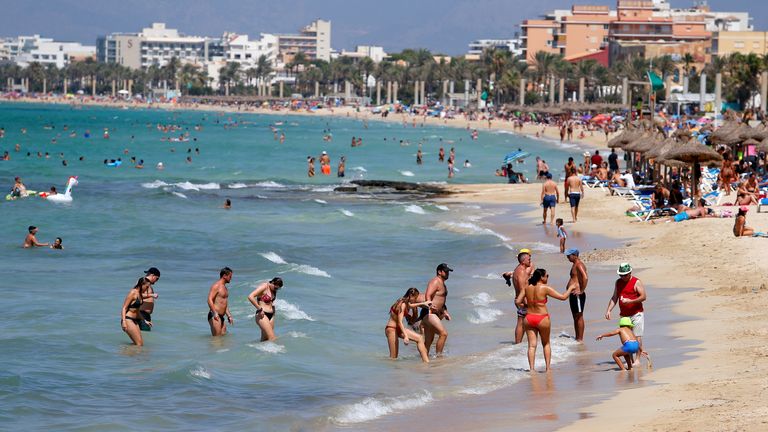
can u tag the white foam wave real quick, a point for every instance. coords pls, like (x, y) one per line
(407, 173)
(196, 187)
(359, 168)
(297, 335)
(484, 315)
(180, 195)
(413, 208)
(468, 228)
(237, 186)
(319, 201)
(290, 311)
(545, 247)
(482, 299)
(372, 408)
(308, 269)
(323, 189)
(154, 185)
(346, 212)
(200, 372)
(489, 276)
(442, 207)
(275, 258)
(268, 347)
(269, 184)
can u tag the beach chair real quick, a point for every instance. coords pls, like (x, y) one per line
(761, 203)
(647, 212)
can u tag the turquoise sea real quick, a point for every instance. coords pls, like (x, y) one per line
(345, 258)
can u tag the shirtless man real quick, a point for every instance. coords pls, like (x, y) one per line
(574, 190)
(218, 304)
(436, 294)
(519, 278)
(30, 240)
(578, 280)
(550, 195)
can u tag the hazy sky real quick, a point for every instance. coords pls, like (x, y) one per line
(445, 26)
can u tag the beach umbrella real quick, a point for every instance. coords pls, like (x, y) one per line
(763, 146)
(727, 134)
(760, 132)
(694, 153)
(514, 156)
(601, 118)
(624, 138)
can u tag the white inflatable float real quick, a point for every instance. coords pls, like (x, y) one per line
(66, 197)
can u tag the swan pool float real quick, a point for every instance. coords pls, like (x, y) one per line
(66, 197)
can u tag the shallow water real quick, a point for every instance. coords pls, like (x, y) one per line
(344, 258)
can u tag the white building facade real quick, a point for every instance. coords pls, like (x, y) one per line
(24, 50)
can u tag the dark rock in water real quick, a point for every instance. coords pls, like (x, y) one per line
(394, 186)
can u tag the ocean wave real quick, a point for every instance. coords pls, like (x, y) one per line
(272, 256)
(359, 168)
(468, 228)
(155, 184)
(308, 269)
(441, 207)
(406, 173)
(237, 186)
(319, 201)
(269, 184)
(481, 299)
(268, 347)
(324, 189)
(346, 212)
(544, 247)
(196, 187)
(413, 208)
(200, 372)
(489, 276)
(180, 195)
(297, 335)
(373, 408)
(484, 315)
(291, 311)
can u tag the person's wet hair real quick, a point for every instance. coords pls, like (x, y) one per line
(225, 271)
(277, 282)
(537, 275)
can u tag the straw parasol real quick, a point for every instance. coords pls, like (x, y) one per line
(648, 142)
(763, 146)
(760, 132)
(624, 138)
(726, 134)
(660, 149)
(694, 153)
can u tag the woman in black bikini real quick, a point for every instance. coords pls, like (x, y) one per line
(130, 319)
(263, 299)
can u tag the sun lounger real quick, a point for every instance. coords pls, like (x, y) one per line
(646, 212)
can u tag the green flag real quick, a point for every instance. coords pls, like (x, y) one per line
(484, 96)
(656, 82)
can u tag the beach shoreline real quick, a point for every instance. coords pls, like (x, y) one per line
(717, 383)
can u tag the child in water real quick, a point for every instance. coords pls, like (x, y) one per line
(562, 234)
(629, 343)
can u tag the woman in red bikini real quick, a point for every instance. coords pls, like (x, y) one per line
(396, 329)
(263, 298)
(537, 319)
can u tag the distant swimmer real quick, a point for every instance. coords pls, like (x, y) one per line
(402, 309)
(263, 299)
(578, 280)
(419, 159)
(436, 294)
(629, 343)
(441, 155)
(519, 278)
(130, 319)
(537, 322)
(30, 240)
(57, 244)
(218, 303)
(227, 204)
(310, 166)
(160, 166)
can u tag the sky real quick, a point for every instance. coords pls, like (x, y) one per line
(443, 26)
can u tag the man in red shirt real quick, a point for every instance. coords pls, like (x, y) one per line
(597, 159)
(629, 294)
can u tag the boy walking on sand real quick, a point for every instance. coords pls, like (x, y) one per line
(629, 344)
(562, 234)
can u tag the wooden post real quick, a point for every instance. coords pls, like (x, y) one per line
(415, 92)
(45, 85)
(317, 89)
(625, 92)
(562, 91)
(522, 91)
(114, 88)
(581, 89)
(479, 89)
(93, 85)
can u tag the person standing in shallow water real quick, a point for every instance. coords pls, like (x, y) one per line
(130, 318)
(396, 329)
(218, 303)
(432, 316)
(263, 299)
(629, 294)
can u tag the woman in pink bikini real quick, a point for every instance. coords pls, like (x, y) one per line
(404, 308)
(537, 320)
(263, 298)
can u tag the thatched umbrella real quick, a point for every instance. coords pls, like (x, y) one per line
(760, 132)
(662, 148)
(763, 146)
(624, 138)
(694, 153)
(726, 134)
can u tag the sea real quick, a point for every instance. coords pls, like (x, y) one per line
(345, 258)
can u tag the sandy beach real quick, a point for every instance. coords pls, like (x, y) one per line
(721, 287)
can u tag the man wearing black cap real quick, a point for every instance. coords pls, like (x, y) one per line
(436, 294)
(148, 305)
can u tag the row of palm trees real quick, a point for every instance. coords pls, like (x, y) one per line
(499, 71)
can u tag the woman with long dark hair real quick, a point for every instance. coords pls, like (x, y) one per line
(130, 317)
(263, 298)
(404, 308)
(537, 322)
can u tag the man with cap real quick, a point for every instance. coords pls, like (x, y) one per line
(148, 305)
(436, 293)
(578, 279)
(629, 294)
(519, 278)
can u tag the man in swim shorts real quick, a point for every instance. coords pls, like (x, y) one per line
(629, 294)
(519, 278)
(218, 304)
(574, 190)
(577, 299)
(550, 195)
(436, 293)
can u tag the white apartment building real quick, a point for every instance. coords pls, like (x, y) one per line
(156, 45)
(24, 50)
(314, 41)
(514, 46)
(240, 49)
(375, 53)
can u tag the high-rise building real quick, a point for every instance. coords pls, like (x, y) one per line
(24, 50)
(314, 41)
